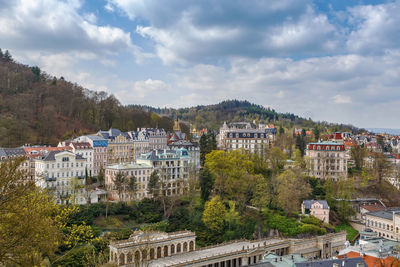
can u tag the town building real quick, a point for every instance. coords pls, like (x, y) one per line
(85, 150)
(172, 166)
(141, 143)
(99, 145)
(120, 147)
(179, 249)
(18, 152)
(34, 152)
(385, 223)
(345, 262)
(328, 160)
(63, 174)
(157, 138)
(193, 149)
(246, 136)
(371, 261)
(141, 172)
(317, 208)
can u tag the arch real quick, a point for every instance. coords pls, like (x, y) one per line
(121, 259)
(185, 247)
(191, 246)
(152, 254)
(158, 252)
(172, 249)
(178, 248)
(165, 251)
(129, 257)
(137, 256)
(144, 254)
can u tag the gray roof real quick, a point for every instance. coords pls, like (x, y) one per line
(95, 137)
(308, 203)
(385, 214)
(349, 262)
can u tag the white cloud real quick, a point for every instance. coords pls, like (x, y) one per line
(341, 99)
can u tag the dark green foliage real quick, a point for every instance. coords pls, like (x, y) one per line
(301, 142)
(36, 71)
(208, 143)
(146, 211)
(318, 191)
(206, 184)
(311, 220)
(153, 183)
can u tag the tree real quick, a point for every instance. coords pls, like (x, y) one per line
(132, 186)
(292, 188)
(30, 221)
(206, 184)
(277, 160)
(358, 154)
(231, 171)
(36, 71)
(316, 132)
(7, 56)
(153, 185)
(214, 214)
(100, 175)
(261, 195)
(381, 166)
(119, 184)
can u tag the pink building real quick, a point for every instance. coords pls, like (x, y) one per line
(316, 208)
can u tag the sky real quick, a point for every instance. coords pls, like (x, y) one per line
(336, 61)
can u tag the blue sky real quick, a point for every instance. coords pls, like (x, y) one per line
(337, 61)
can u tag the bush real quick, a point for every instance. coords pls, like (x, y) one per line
(312, 229)
(311, 220)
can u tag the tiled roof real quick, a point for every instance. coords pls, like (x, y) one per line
(371, 207)
(308, 203)
(385, 214)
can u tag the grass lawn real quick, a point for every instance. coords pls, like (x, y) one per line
(351, 232)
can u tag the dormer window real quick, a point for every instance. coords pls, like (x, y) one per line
(65, 159)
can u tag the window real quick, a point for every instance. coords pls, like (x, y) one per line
(65, 159)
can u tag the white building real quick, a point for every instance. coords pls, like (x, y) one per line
(63, 173)
(99, 145)
(139, 171)
(386, 223)
(328, 160)
(172, 167)
(247, 136)
(192, 148)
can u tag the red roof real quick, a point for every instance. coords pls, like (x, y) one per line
(372, 207)
(34, 152)
(373, 261)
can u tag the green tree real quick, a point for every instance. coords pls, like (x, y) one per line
(358, 154)
(292, 188)
(100, 175)
(119, 184)
(214, 214)
(30, 221)
(206, 184)
(316, 132)
(277, 159)
(153, 185)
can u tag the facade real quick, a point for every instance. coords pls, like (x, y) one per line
(141, 143)
(179, 249)
(99, 145)
(316, 208)
(140, 171)
(86, 151)
(157, 138)
(385, 223)
(120, 146)
(247, 136)
(328, 160)
(35, 152)
(63, 174)
(172, 167)
(12, 153)
(192, 148)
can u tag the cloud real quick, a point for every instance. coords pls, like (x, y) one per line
(194, 31)
(341, 99)
(376, 28)
(57, 27)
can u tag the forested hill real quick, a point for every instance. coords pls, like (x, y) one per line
(212, 116)
(37, 108)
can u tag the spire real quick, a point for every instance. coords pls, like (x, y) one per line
(177, 127)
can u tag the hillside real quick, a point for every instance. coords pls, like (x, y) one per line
(38, 108)
(212, 116)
